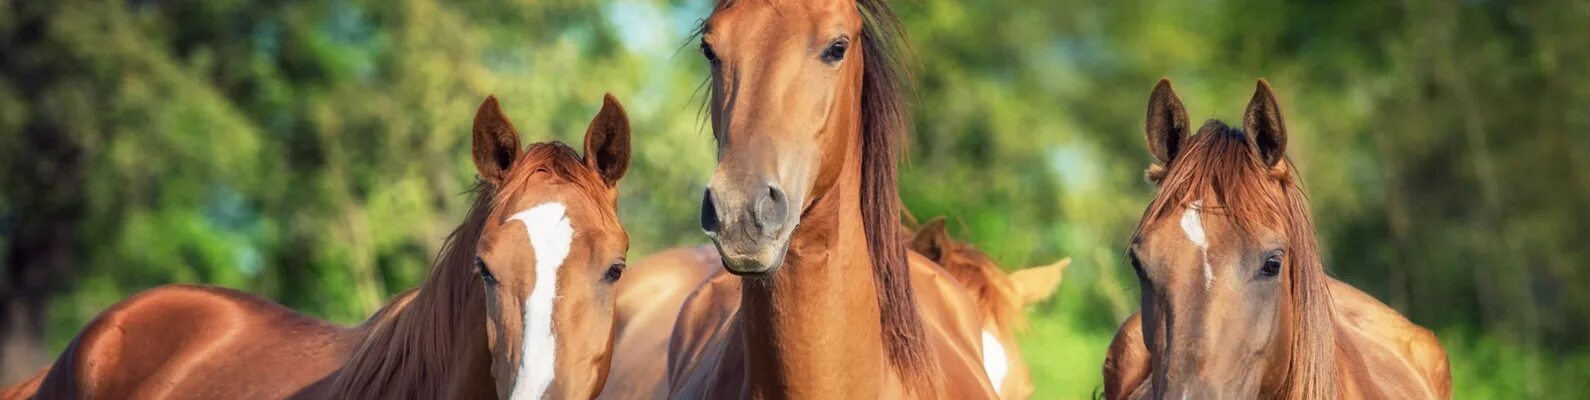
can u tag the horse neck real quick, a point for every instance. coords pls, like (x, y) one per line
(812, 327)
(430, 340)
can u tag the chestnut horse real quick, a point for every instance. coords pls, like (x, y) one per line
(519, 304)
(1001, 297)
(654, 287)
(1235, 299)
(807, 109)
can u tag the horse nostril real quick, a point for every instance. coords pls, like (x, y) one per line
(775, 193)
(709, 214)
(771, 210)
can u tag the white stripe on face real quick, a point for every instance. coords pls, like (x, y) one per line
(550, 237)
(1194, 228)
(994, 362)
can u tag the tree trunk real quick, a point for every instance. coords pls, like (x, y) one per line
(41, 179)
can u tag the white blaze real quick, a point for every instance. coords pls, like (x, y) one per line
(1194, 228)
(550, 236)
(994, 362)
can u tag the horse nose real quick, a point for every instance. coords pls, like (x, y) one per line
(767, 214)
(748, 223)
(710, 221)
(771, 210)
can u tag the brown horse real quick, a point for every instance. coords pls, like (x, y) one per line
(1235, 299)
(807, 109)
(1001, 297)
(521, 295)
(653, 289)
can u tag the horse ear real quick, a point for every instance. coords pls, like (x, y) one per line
(607, 141)
(1264, 124)
(1038, 283)
(932, 240)
(496, 143)
(1167, 122)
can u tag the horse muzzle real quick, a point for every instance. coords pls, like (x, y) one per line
(750, 227)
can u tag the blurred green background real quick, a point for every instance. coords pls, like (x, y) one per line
(316, 152)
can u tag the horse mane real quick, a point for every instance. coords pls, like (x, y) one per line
(413, 345)
(404, 351)
(885, 118)
(987, 283)
(1222, 163)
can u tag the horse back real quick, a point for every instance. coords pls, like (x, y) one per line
(705, 354)
(182, 341)
(954, 325)
(649, 299)
(1401, 358)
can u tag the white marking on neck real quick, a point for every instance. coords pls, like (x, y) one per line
(1193, 226)
(994, 362)
(550, 237)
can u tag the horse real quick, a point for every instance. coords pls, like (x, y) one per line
(806, 104)
(1235, 299)
(519, 303)
(1000, 296)
(651, 293)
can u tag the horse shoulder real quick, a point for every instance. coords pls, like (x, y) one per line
(1126, 364)
(954, 325)
(1374, 324)
(1431, 358)
(705, 359)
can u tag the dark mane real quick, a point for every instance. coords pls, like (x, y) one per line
(1221, 163)
(885, 118)
(420, 339)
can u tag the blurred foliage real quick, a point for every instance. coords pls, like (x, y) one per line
(315, 152)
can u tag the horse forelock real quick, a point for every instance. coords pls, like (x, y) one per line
(564, 163)
(1222, 164)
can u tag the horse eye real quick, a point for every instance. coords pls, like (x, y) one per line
(706, 51)
(1137, 266)
(1272, 266)
(836, 50)
(614, 272)
(485, 273)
